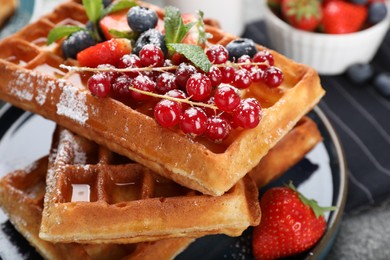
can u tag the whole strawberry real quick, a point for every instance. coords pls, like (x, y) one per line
(302, 14)
(343, 17)
(290, 224)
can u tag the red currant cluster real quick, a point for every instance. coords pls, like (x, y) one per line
(207, 104)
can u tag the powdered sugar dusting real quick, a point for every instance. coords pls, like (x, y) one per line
(23, 86)
(72, 103)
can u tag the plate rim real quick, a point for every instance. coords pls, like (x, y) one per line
(321, 249)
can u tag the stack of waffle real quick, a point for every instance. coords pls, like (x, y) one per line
(115, 183)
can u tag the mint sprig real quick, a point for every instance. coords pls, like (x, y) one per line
(201, 30)
(62, 31)
(175, 29)
(95, 11)
(194, 53)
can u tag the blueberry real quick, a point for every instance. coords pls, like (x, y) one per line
(77, 42)
(141, 19)
(377, 11)
(151, 36)
(382, 84)
(360, 73)
(240, 47)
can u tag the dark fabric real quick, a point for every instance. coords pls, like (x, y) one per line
(361, 118)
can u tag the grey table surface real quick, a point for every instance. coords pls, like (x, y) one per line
(365, 232)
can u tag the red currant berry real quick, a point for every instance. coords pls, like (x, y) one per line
(248, 113)
(228, 74)
(264, 56)
(229, 118)
(193, 121)
(183, 73)
(215, 75)
(130, 61)
(217, 129)
(177, 93)
(199, 87)
(99, 84)
(257, 74)
(151, 56)
(165, 82)
(167, 113)
(120, 88)
(242, 79)
(144, 83)
(273, 77)
(178, 58)
(226, 98)
(167, 63)
(210, 111)
(245, 59)
(111, 74)
(217, 54)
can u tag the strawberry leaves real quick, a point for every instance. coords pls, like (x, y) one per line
(313, 204)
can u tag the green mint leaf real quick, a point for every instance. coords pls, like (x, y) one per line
(194, 53)
(62, 31)
(201, 30)
(123, 34)
(119, 6)
(94, 9)
(175, 29)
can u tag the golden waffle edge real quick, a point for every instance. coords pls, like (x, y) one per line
(94, 195)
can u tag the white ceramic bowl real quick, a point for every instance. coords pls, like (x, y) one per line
(329, 54)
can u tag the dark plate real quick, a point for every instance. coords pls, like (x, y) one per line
(25, 137)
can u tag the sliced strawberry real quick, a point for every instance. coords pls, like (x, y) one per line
(108, 52)
(115, 21)
(343, 17)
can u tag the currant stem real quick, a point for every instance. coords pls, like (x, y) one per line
(180, 100)
(160, 69)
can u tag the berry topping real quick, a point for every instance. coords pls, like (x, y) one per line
(165, 82)
(215, 75)
(273, 77)
(99, 84)
(167, 112)
(177, 93)
(242, 79)
(130, 61)
(143, 83)
(217, 54)
(228, 74)
(193, 121)
(120, 88)
(240, 47)
(151, 56)
(305, 15)
(77, 42)
(217, 129)
(151, 36)
(199, 87)
(248, 113)
(141, 19)
(226, 98)
(264, 56)
(245, 59)
(108, 52)
(183, 73)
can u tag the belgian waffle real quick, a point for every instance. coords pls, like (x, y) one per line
(94, 195)
(33, 80)
(21, 197)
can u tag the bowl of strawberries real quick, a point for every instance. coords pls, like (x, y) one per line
(329, 35)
